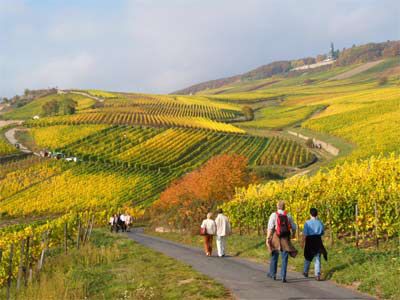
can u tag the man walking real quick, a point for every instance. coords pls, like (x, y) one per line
(223, 230)
(280, 229)
(312, 235)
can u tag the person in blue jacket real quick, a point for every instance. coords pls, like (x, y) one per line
(312, 235)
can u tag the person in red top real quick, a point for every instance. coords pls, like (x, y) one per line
(280, 229)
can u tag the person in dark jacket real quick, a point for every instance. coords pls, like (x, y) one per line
(312, 235)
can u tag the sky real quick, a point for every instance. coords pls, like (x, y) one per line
(158, 46)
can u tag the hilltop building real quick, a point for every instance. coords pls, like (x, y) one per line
(330, 59)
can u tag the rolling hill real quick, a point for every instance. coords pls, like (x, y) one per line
(130, 147)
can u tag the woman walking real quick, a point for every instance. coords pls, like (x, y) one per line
(209, 229)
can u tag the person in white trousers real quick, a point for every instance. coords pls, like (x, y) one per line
(223, 230)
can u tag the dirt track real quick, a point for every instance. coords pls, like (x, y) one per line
(357, 70)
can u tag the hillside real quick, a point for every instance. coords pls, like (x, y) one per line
(120, 151)
(354, 55)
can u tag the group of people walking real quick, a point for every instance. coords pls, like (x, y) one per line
(281, 229)
(220, 228)
(121, 222)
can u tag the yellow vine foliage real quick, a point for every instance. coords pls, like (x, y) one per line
(373, 185)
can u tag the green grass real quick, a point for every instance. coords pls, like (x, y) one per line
(114, 267)
(368, 270)
(35, 107)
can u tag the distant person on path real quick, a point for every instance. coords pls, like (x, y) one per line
(280, 229)
(128, 222)
(312, 235)
(223, 230)
(114, 223)
(111, 223)
(121, 222)
(210, 230)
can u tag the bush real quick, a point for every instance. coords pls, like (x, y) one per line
(248, 113)
(186, 202)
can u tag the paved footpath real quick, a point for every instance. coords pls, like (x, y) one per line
(247, 280)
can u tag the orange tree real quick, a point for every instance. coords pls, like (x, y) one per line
(187, 200)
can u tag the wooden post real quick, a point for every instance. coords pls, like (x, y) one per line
(86, 231)
(21, 265)
(65, 237)
(26, 268)
(78, 236)
(91, 227)
(331, 227)
(9, 278)
(44, 243)
(376, 227)
(356, 227)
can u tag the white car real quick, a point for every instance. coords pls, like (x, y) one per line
(74, 159)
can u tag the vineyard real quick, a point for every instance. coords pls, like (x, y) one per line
(25, 246)
(124, 118)
(6, 148)
(169, 107)
(360, 199)
(55, 188)
(184, 149)
(61, 135)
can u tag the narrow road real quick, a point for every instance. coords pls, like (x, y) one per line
(82, 94)
(247, 280)
(10, 136)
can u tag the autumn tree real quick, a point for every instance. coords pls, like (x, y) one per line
(69, 106)
(186, 201)
(50, 108)
(248, 113)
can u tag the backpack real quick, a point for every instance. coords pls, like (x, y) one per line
(283, 226)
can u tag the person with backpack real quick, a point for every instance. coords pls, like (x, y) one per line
(223, 230)
(208, 229)
(312, 236)
(280, 229)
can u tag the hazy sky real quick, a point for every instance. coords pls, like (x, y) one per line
(163, 45)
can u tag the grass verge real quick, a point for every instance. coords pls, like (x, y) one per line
(114, 267)
(371, 271)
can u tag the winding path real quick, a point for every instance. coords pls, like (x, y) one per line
(247, 280)
(10, 136)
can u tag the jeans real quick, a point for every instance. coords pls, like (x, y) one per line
(273, 266)
(221, 245)
(317, 265)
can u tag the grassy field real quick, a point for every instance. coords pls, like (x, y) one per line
(367, 270)
(35, 107)
(114, 267)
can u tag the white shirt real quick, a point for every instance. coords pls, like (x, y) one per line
(223, 225)
(122, 218)
(273, 219)
(210, 226)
